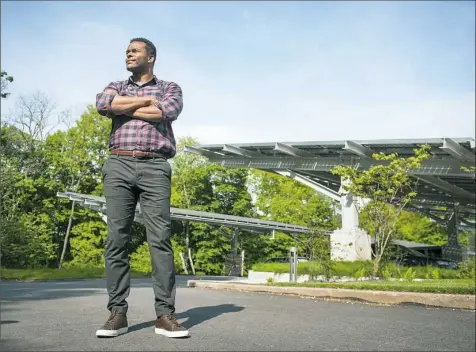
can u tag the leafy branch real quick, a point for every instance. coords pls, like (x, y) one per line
(389, 187)
(5, 81)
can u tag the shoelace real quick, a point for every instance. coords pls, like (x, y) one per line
(173, 319)
(110, 322)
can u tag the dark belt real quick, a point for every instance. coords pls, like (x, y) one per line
(137, 153)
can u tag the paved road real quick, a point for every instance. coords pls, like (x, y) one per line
(64, 316)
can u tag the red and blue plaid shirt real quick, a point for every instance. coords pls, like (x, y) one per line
(129, 133)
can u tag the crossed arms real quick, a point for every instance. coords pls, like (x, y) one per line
(109, 103)
(138, 107)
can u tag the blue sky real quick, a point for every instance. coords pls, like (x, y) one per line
(261, 71)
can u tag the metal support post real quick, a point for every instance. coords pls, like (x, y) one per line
(293, 265)
(234, 241)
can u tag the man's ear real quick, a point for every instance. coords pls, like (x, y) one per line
(151, 59)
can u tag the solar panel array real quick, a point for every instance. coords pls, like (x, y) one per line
(255, 225)
(443, 184)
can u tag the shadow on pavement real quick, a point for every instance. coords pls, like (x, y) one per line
(199, 315)
(195, 316)
(12, 292)
(40, 295)
(8, 287)
(8, 322)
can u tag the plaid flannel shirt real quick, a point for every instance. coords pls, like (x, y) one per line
(129, 133)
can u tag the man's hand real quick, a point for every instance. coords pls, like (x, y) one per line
(142, 108)
(149, 112)
(122, 105)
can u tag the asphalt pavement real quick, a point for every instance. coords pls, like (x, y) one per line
(63, 316)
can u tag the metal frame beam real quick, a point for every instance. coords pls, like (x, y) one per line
(240, 151)
(290, 150)
(358, 149)
(425, 212)
(327, 177)
(311, 183)
(448, 187)
(201, 151)
(435, 215)
(456, 150)
(264, 226)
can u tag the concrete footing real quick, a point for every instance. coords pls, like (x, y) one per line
(351, 244)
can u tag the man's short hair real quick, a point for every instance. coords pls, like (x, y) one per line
(149, 46)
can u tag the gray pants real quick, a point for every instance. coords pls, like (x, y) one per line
(128, 180)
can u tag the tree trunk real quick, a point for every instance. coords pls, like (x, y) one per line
(66, 238)
(376, 265)
(189, 249)
(187, 235)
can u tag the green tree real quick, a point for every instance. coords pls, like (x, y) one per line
(191, 189)
(419, 228)
(24, 184)
(230, 197)
(5, 81)
(20, 247)
(200, 185)
(36, 166)
(285, 200)
(75, 158)
(389, 188)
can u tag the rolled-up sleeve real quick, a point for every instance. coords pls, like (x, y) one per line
(104, 99)
(172, 103)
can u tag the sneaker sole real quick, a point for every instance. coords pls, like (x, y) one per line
(111, 333)
(171, 333)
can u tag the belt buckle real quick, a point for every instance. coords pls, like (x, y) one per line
(134, 153)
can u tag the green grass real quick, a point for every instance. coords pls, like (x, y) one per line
(309, 268)
(350, 269)
(461, 287)
(57, 274)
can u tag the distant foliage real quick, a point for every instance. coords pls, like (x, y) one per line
(38, 162)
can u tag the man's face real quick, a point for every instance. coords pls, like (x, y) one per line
(137, 59)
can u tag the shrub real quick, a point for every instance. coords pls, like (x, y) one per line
(435, 274)
(140, 259)
(386, 273)
(362, 268)
(359, 273)
(466, 270)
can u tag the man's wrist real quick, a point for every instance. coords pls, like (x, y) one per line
(144, 101)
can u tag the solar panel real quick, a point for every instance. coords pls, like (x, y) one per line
(257, 225)
(441, 177)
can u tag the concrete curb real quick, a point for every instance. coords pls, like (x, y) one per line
(382, 297)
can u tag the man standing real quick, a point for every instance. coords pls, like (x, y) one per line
(142, 109)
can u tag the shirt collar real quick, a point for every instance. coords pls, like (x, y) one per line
(154, 80)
